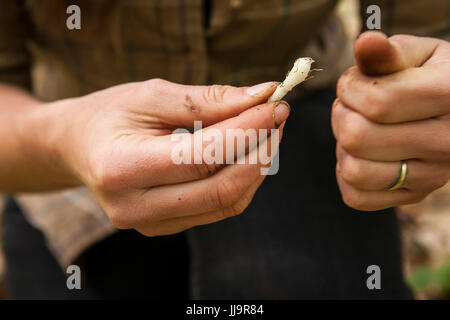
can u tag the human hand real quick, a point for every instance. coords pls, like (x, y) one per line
(393, 106)
(118, 143)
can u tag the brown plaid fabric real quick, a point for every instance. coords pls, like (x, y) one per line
(245, 42)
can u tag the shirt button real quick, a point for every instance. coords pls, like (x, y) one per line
(236, 4)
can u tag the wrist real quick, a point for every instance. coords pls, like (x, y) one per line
(44, 141)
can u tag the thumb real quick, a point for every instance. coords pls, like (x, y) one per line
(181, 105)
(376, 54)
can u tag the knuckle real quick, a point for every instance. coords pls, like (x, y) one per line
(151, 231)
(152, 88)
(335, 118)
(154, 84)
(204, 169)
(376, 106)
(343, 81)
(125, 216)
(434, 176)
(439, 182)
(119, 218)
(336, 109)
(215, 93)
(341, 85)
(351, 170)
(357, 199)
(399, 38)
(351, 135)
(160, 229)
(442, 149)
(354, 199)
(437, 143)
(148, 232)
(226, 193)
(375, 100)
(442, 181)
(238, 207)
(104, 174)
(415, 197)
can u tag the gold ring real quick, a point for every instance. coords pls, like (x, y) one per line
(403, 173)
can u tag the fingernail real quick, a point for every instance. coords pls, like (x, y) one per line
(260, 89)
(281, 112)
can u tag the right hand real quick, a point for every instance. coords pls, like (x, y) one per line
(117, 142)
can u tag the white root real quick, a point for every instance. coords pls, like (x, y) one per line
(298, 74)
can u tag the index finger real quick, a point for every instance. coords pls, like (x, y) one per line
(184, 157)
(409, 95)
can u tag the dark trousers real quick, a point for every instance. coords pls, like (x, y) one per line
(126, 265)
(296, 240)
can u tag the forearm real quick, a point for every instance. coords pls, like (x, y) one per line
(29, 157)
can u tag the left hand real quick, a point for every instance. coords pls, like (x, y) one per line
(393, 106)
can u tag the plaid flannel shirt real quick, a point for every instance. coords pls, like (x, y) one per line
(243, 42)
